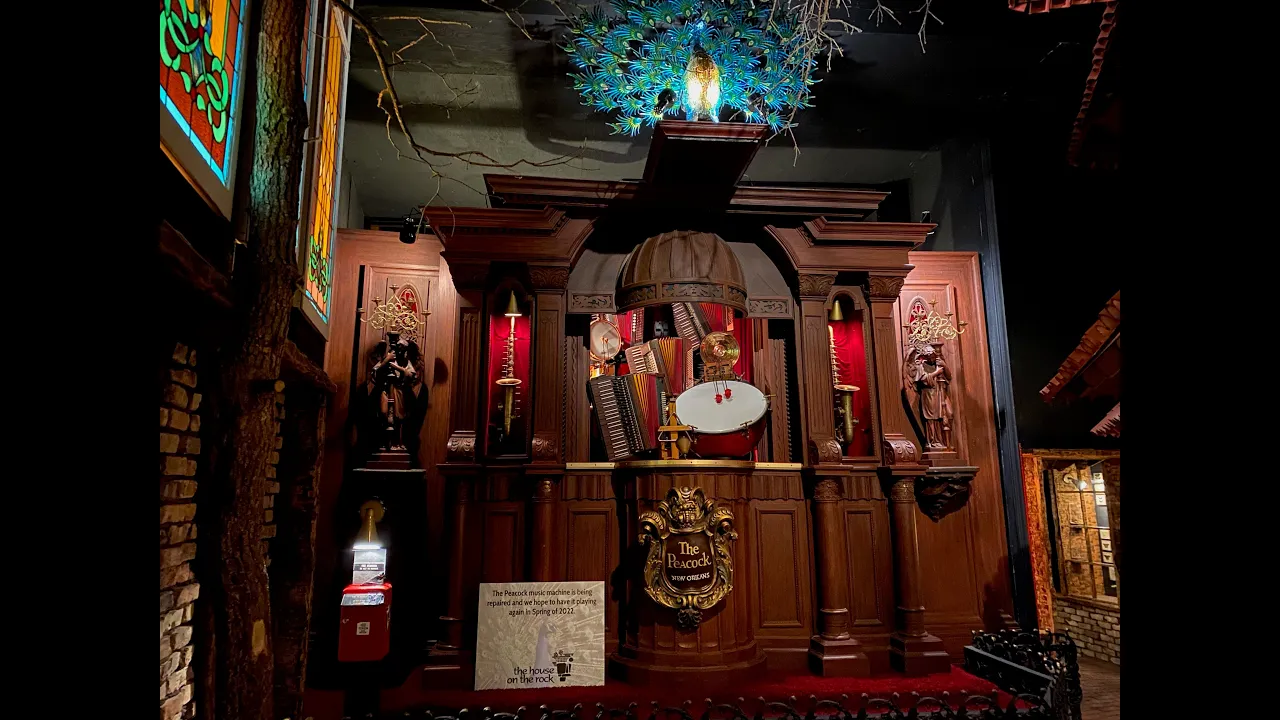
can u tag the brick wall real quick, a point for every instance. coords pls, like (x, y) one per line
(179, 451)
(1094, 627)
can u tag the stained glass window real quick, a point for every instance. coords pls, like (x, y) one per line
(319, 260)
(200, 69)
(308, 61)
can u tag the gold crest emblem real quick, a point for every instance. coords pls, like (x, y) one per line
(688, 567)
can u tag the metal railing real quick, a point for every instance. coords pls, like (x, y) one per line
(1030, 664)
(894, 707)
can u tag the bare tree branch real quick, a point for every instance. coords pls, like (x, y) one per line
(927, 9)
(879, 11)
(389, 101)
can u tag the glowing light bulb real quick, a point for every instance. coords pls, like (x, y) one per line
(702, 87)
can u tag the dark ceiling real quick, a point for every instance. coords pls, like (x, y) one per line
(984, 70)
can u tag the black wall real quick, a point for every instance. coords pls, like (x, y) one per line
(1061, 246)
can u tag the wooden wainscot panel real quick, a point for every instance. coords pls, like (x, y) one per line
(947, 574)
(589, 534)
(503, 542)
(870, 577)
(963, 557)
(783, 559)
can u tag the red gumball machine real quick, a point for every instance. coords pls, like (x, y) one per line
(364, 634)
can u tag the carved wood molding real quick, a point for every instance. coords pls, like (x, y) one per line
(537, 192)
(545, 447)
(824, 450)
(821, 231)
(461, 446)
(448, 222)
(942, 491)
(767, 307)
(546, 277)
(591, 302)
(902, 490)
(827, 490)
(898, 450)
(469, 276)
(816, 286)
(544, 490)
(883, 288)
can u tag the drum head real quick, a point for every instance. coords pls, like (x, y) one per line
(698, 408)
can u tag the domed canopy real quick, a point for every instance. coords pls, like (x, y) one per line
(682, 266)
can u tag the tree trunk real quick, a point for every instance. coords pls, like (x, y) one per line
(264, 284)
(293, 561)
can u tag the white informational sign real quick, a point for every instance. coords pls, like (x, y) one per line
(370, 566)
(545, 634)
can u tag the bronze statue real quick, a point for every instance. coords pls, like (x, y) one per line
(397, 394)
(927, 382)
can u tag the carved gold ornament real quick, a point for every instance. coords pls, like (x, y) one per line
(933, 328)
(393, 315)
(689, 567)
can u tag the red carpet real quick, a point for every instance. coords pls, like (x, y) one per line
(618, 695)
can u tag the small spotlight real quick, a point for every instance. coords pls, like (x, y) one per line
(409, 230)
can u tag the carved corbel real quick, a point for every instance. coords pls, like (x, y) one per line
(546, 446)
(461, 447)
(898, 450)
(824, 450)
(548, 277)
(943, 490)
(883, 288)
(816, 286)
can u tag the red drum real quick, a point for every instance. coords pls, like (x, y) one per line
(730, 428)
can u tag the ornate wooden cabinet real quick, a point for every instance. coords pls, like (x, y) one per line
(866, 523)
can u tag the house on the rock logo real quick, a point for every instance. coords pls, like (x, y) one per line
(564, 664)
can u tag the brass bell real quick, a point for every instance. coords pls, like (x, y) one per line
(836, 314)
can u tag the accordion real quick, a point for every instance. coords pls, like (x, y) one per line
(691, 323)
(662, 356)
(629, 410)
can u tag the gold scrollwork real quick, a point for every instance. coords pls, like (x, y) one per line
(685, 533)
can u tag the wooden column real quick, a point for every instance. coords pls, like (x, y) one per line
(461, 467)
(832, 652)
(452, 622)
(546, 464)
(912, 650)
(469, 362)
(815, 370)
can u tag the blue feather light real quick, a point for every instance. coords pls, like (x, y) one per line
(628, 55)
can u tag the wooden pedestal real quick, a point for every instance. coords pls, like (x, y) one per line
(722, 650)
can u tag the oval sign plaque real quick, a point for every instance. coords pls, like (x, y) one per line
(688, 567)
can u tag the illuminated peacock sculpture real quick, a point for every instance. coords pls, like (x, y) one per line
(644, 59)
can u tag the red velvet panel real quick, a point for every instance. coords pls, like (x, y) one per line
(717, 316)
(744, 333)
(851, 360)
(499, 327)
